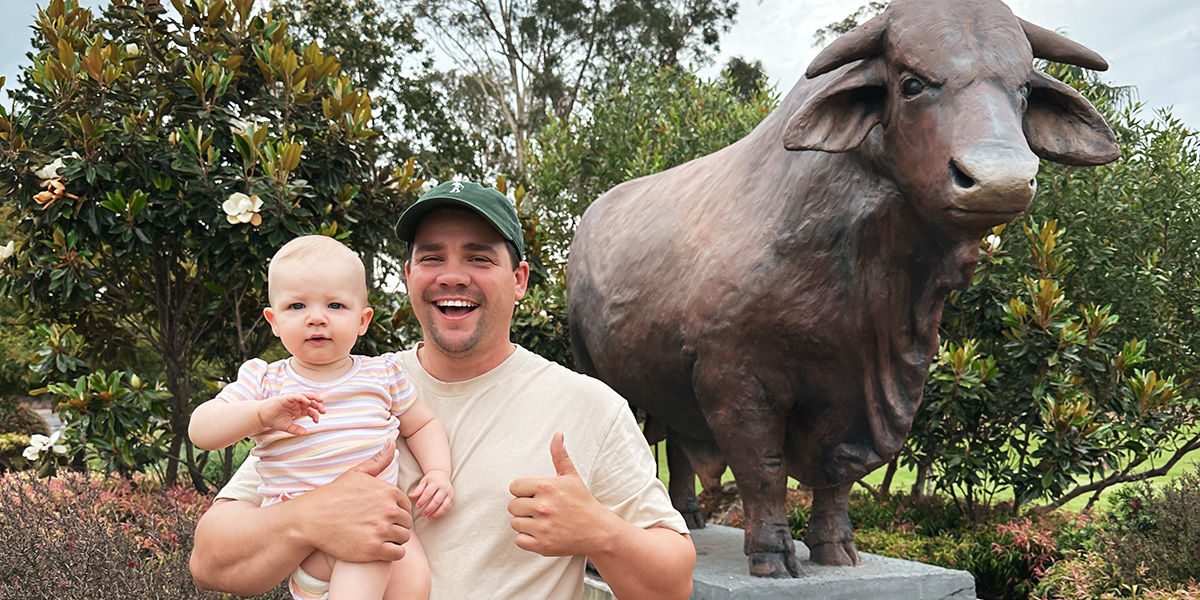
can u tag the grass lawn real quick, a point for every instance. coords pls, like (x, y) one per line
(904, 478)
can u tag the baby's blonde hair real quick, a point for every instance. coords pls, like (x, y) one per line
(317, 247)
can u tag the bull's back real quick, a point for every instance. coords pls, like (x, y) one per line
(625, 298)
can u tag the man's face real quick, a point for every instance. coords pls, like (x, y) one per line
(462, 285)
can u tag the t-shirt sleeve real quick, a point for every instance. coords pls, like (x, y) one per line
(402, 393)
(625, 478)
(249, 383)
(244, 483)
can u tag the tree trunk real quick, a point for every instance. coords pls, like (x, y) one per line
(885, 486)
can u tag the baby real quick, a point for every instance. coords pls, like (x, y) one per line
(321, 412)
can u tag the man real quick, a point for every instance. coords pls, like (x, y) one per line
(527, 510)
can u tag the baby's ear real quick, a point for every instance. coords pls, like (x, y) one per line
(365, 321)
(270, 316)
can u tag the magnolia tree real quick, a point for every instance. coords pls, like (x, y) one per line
(155, 162)
(1069, 366)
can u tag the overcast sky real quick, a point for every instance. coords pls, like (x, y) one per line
(1151, 44)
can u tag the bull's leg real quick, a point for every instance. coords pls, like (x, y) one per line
(682, 486)
(710, 475)
(830, 538)
(751, 440)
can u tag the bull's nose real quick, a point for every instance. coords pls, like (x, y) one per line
(1000, 180)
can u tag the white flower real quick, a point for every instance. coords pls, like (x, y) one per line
(38, 443)
(49, 171)
(991, 243)
(7, 250)
(132, 50)
(238, 126)
(240, 208)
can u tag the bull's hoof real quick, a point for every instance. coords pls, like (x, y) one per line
(693, 518)
(834, 554)
(776, 565)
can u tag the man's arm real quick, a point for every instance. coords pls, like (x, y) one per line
(559, 517)
(246, 549)
(649, 563)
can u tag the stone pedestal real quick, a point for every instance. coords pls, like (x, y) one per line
(722, 573)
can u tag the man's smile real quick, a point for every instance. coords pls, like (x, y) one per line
(456, 308)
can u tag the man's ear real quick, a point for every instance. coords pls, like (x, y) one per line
(522, 275)
(270, 316)
(365, 321)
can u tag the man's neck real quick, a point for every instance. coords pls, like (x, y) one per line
(452, 369)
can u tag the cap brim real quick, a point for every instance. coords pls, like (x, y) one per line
(406, 227)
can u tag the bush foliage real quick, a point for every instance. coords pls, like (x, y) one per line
(1007, 555)
(76, 536)
(18, 417)
(1155, 532)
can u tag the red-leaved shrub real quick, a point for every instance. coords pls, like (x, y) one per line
(75, 536)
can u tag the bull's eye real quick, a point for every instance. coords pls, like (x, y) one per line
(1025, 91)
(911, 86)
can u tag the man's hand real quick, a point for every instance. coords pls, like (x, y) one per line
(279, 413)
(557, 516)
(358, 516)
(434, 495)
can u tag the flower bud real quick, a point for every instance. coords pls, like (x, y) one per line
(132, 50)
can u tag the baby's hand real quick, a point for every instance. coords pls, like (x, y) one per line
(434, 494)
(280, 412)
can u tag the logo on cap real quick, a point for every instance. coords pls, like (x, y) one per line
(456, 188)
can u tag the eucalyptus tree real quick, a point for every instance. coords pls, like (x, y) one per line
(529, 60)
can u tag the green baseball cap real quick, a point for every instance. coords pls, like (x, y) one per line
(489, 203)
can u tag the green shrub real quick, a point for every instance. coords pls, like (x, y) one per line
(18, 417)
(12, 445)
(1007, 555)
(1155, 533)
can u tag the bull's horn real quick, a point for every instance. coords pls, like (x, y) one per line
(1052, 46)
(859, 43)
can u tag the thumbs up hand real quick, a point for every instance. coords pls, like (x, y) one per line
(557, 516)
(562, 461)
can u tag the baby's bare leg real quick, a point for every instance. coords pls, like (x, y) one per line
(313, 580)
(359, 581)
(410, 575)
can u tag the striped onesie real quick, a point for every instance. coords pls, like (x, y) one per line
(362, 410)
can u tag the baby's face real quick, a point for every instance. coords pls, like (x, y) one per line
(318, 310)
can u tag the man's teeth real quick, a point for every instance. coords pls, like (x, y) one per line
(456, 303)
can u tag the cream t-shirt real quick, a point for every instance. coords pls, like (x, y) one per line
(500, 425)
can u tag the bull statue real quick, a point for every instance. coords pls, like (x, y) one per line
(775, 304)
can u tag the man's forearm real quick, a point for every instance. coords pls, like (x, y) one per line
(647, 564)
(244, 549)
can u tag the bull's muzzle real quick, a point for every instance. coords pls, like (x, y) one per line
(992, 183)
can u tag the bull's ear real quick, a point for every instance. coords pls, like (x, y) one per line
(1063, 127)
(839, 116)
